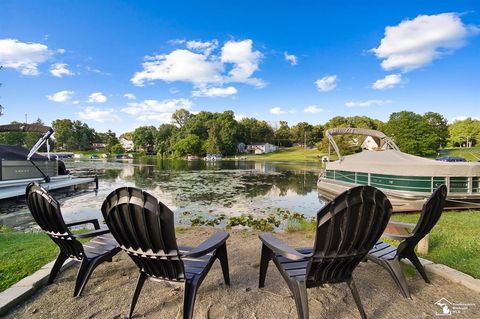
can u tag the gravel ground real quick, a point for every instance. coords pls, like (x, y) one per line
(109, 291)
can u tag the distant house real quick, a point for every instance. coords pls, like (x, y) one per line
(261, 148)
(97, 146)
(127, 145)
(369, 144)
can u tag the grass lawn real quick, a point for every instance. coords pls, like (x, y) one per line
(470, 154)
(22, 254)
(454, 240)
(293, 154)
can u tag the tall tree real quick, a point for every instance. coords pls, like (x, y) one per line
(464, 133)
(144, 138)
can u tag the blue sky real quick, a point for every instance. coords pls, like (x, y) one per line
(118, 65)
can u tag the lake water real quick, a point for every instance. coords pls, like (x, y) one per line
(195, 188)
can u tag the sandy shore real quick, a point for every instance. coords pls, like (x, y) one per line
(109, 291)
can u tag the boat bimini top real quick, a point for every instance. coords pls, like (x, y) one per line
(384, 142)
(37, 128)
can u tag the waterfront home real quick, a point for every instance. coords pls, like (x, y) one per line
(261, 148)
(127, 145)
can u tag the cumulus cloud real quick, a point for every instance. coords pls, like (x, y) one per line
(245, 61)
(158, 110)
(215, 91)
(129, 96)
(97, 97)
(463, 118)
(98, 115)
(327, 83)
(60, 70)
(239, 117)
(277, 111)
(292, 59)
(367, 103)
(387, 82)
(415, 43)
(205, 47)
(23, 57)
(61, 96)
(236, 62)
(312, 109)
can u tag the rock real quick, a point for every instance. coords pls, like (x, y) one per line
(248, 289)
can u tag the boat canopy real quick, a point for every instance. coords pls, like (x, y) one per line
(394, 162)
(37, 128)
(18, 153)
(385, 142)
(25, 128)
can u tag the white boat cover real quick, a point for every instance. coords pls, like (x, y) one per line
(393, 162)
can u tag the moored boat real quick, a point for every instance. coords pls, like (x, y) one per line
(19, 166)
(406, 179)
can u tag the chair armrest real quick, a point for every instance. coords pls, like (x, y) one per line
(408, 226)
(209, 245)
(279, 247)
(396, 236)
(94, 222)
(93, 233)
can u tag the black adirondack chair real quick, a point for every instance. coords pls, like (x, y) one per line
(389, 257)
(45, 209)
(347, 228)
(145, 229)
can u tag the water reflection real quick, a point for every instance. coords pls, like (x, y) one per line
(209, 188)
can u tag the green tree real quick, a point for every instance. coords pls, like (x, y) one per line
(412, 133)
(144, 138)
(255, 131)
(191, 144)
(13, 138)
(464, 131)
(116, 149)
(282, 134)
(164, 138)
(439, 125)
(180, 116)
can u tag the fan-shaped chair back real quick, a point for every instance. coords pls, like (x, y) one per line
(46, 211)
(431, 213)
(347, 228)
(144, 228)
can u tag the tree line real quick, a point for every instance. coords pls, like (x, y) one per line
(219, 132)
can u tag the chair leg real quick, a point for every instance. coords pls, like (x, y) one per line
(264, 260)
(416, 262)
(356, 297)
(396, 272)
(84, 273)
(56, 267)
(191, 287)
(138, 289)
(299, 290)
(223, 258)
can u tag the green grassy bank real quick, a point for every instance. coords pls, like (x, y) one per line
(290, 154)
(453, 241)
(470, 154)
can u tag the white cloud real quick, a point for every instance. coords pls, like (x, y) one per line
(416, 43)
(327, 83)
(76, 102)
(61, 96)
(158, 110)
(60, 70)
(239, 117)
(22, 56)
(234, 62)
(174, 90)
(97, 97)
(179, 65)
(129, 96)
(215, 91)
(388, 82)
(279, 111)
(312, 109)
(245, 61)
(463, 118)
(97, 114)
(204, 47)
(292, 59)
(367, 103)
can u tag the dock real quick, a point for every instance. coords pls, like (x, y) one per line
(17, 187)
